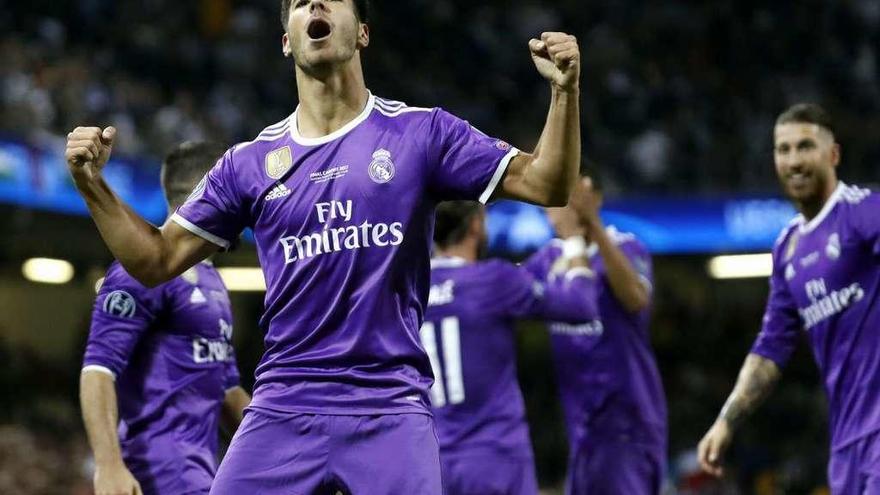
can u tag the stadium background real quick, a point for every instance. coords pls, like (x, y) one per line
(678, 104)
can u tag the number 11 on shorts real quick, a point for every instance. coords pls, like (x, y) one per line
(451, 383)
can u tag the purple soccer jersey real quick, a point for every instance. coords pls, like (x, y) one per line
(469, 335)
(169, 351)
(343, 227)
(826, 283)
(607, 375)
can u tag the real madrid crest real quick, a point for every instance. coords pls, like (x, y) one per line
(381, 168)
(278, 162)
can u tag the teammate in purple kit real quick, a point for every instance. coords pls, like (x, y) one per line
(166, 353)
(469, 336)
(825, 285)
(340, 196)
(612, 395)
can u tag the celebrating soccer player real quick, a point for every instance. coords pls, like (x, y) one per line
(340, 196)
(159, 367)
(825, 285)
(469, 336)
(612, 395)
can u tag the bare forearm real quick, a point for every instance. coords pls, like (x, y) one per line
(234, 403)
(756, 379)
(100, 416)
(556, 158)
(625, 282)
(133, 241)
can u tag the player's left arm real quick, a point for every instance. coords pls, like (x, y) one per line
(547, 175)
(234, 404)
(630, 287)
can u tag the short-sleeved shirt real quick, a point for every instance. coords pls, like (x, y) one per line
(469, 335)
(343, 226)
(606, 371)
(169, 351)
(826, 284)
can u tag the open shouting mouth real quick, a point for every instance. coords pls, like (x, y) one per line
(319, 29)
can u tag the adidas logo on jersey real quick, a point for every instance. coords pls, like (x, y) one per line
(197, 297)
(279, 191)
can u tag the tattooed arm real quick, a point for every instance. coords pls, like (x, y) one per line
(756, 379)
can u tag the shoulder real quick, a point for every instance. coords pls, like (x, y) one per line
(625, 239)
(857, 199)
(273, 138)
(783, 239)
(394, 108)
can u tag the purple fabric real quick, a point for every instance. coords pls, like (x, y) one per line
(469, 335)
(169, 350)
(343, 226)
(826, 285)
(378, 455)
(488, 473)
(856, 468)
(610, 357)
(614, 468)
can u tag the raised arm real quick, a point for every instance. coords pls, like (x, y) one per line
(757, 377)
(547, 175)
(97, 393)
(151, 255)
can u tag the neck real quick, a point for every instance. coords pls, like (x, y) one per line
(810, 208)
(465, 249)
(328, 101)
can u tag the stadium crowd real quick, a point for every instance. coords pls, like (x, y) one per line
(677, 96)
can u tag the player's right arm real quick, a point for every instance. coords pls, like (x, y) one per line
(760, 372)
(100, 416)
(151, 255)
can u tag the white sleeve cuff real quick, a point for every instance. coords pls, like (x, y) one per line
(579, 271)
(100, 369)
(499, 173)
(195, 229)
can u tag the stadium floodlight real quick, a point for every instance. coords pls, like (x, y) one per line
(741, 266)
(242, 279)
(47, 270)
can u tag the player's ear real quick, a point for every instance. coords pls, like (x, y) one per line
(285, 45)
(363, 36)
(835, 154)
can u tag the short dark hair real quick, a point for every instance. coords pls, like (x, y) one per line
(452, 220)
(806, 113)
(185, 166)
(361, 10)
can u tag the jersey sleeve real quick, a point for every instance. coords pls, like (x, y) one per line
(640, 258)
(467, 164)
(572, 298)
(123, 312)
(214, 211)
(866, 222)
(781, 324)
(541, 262)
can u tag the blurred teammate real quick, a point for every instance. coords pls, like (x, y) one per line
(166, 353)
(341, 197)
(469, 336)
(612, 395)
(826, 286)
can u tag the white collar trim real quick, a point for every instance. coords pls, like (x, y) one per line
(807, 227)
(306, 141)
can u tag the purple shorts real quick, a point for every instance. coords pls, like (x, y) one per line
(855, 469)
(614, 468)
(488, 473)
(304, 454)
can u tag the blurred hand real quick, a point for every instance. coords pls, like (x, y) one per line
(115, 479)
(88, 149)
(557, 58)
(565, 222)
(713, 446)
(585, 202)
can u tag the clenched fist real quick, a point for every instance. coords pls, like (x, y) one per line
(558, 59)
(710, 451)
(88, 149)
